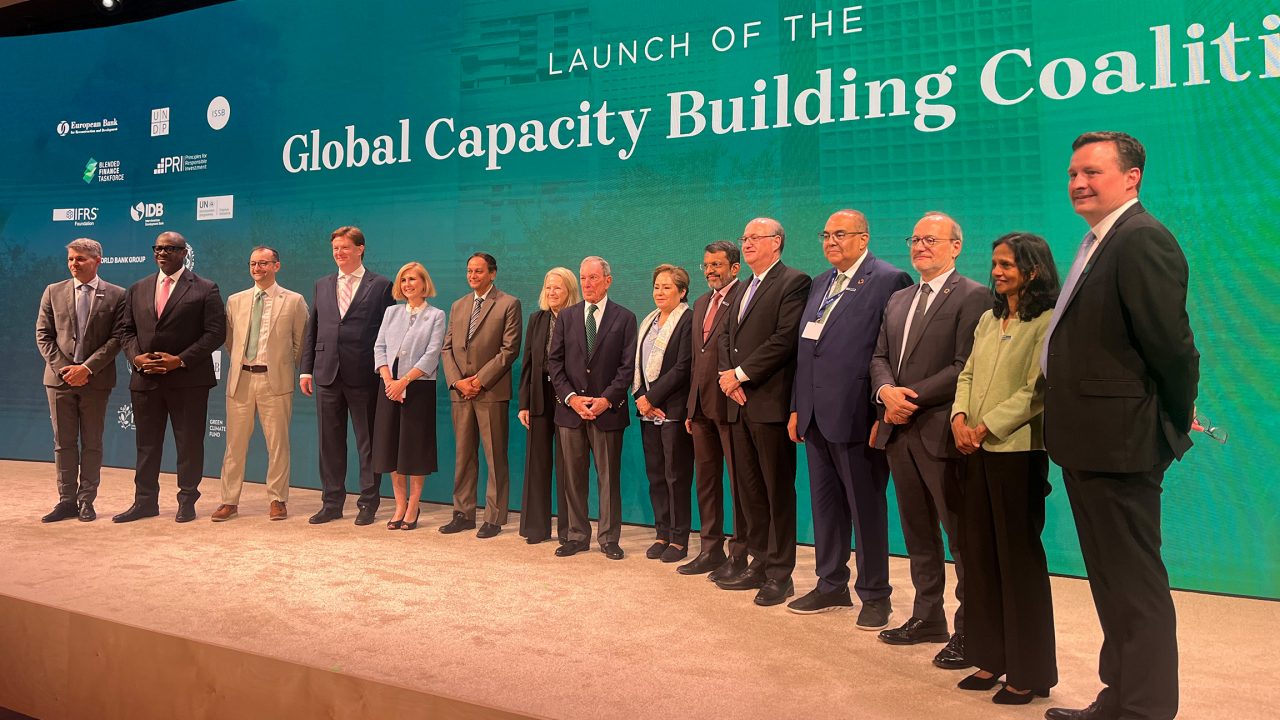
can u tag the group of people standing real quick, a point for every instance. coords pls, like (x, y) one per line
(961, 391)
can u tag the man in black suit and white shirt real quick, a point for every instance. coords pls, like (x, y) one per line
(1121, 369)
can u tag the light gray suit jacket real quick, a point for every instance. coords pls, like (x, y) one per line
(56, 332)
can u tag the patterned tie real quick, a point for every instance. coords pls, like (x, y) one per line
(829, 301)
(751, 291)
(255, 327)
(713, 309)
(591, 329)
(475, 318)
(166, 286)
(917, 320)
(1064, 297)
(345, 291)
(551, 331)
(83, 296)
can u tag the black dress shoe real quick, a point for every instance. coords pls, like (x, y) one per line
(488, 530)
(367, 514)
(1006, 697)
(951, 657)
(458, 524)
(136, 512)
(326, 514)
(611, 551)
(816, 601)
(674, 554)
(748, 579)
(775, 592)
(706, 561)
(570, 547)
(61, 511)
(534, 540)
(87, 513)
(973, 682)
(1093, 712)
(729, 569)
(655, 550)
(915, 631)
(186, 512)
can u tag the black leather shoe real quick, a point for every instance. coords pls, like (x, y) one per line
(570, 547)
(775, 592)
(730, 568)
(488, 530)
(674, 554)
(611, 551)
(534, 540)
(816, 601)
(951, 657)
(186, 512)
(706, 561)
(748, 579)
(136, 512)
(367, 514)
(61, 511)
(326, 514)
(1006, 697)
(87, 513)
(874, 614)
(458, 524)
(655, 550)
(916, 631)
(1093, 712)
(973, 682)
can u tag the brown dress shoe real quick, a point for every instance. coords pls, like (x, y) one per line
(223, 513)
(278, 510)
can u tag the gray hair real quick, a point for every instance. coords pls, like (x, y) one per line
(89, 247)
(956, 233)
(604, 264)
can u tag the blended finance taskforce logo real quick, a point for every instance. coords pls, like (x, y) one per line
(216, 207)
(90, 127)
(103, 170)
(82, 216)
(149, 214)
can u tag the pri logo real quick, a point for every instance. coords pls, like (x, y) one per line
(150, 214)
(217, 207)
(159, 122)
(64, 127)
(90, 169)
(124, 416)
(181, 163)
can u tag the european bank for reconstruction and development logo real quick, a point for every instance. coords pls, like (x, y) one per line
(216, 207)
(149, 214)
(159, 122)
(82, 217)
(181, 163)
(104, 170)
(78, 127)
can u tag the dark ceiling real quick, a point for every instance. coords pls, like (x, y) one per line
(35, 17)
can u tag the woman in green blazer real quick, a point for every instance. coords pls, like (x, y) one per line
(997, 424)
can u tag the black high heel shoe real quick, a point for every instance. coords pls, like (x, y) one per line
(973, 682)
(1006, 697)
(406, 525)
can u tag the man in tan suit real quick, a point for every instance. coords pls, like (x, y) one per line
(480, 346)
(264, 339)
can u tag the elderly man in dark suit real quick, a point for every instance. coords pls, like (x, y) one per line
(592, 365)
(337, 366)
(924, 342)
(832, 413)
(1121, 367)
(173, 321)
(707, 416)
(78, 333)
(757, 370)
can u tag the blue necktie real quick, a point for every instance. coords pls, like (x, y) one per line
(83, 295)
(746, 299)
(1064, 297)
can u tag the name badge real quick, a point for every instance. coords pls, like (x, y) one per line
(812, 331)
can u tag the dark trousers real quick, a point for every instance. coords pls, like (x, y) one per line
(543, 455)
(1118, 519)
(580, 444)
(1010, 606)
(334, 404)
(712, 448)
(78, 415)
(929, 492)
(847, 483)
(186, 409)
(765, 460)
(668, 461)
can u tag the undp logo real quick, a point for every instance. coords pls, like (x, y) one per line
(64, 127)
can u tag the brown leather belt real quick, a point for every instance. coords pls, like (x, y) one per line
(254, 368)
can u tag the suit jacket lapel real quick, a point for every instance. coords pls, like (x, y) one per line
(764, 285)
(605, 327)
(822, 282)
(1104, 244)
(277, 306)
(851, 293)
(932, 310)
(485, 307)
(179, 290)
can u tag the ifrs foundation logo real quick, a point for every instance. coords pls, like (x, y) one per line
(216, 207)
(149, 214)
(181, 163)
(92, 127)
(82, 217)
(159, 122)
(103, 170)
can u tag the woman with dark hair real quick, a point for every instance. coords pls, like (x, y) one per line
(997, 423)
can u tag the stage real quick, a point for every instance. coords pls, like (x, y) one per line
(251, 618)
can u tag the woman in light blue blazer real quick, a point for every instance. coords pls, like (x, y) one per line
(406, 356)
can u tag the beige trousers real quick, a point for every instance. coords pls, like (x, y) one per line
(253, 396)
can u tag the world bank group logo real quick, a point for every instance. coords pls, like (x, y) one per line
(124, 416)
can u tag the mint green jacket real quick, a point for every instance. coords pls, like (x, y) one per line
(1001, 384)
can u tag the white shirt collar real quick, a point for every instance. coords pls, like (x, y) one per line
(175, 276)
(853, 269)
(358, 273)
(1105, 224)
(761, 276)
(92, 283)
(485, 296)
(599, 305)
(936, 284)
(270, 291)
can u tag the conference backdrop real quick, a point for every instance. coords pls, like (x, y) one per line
(547, 130)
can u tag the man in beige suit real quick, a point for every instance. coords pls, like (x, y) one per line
(480, 346)
(264, 339)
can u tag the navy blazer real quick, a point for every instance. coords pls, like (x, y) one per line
(607, 373)
(670, 392)
(193, 325)
(341, 348)
(833, 373)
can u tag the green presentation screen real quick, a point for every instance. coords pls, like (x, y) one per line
(548, 130)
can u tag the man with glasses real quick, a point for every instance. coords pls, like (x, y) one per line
(707, 415)
(832, 413)
(173, 322)
(757, 368)
(264, 340)
(924, 341)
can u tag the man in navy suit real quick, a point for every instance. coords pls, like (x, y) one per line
(173, 321)
(337, 367)
(592, 365)
(832, 413)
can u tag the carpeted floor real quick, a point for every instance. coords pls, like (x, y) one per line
(509, 625)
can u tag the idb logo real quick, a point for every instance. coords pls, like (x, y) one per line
(148, 211)
(64, 127)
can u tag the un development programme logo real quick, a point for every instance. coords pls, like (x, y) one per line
(124, 416)
(217, 207)
(82, 217)
(149, 214)
(104, 170)
(181, 163)
(159, 122)
(76, 127)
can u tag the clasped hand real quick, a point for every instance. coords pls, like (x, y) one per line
(75, 375)
(731, 386)
(156, 363)
(968, 440)
(588, 408)
(897, 407)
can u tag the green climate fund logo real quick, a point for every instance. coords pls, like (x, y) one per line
(90, 168)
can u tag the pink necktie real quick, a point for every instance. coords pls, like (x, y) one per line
(713, 309)
(165, 286)
(344, 293)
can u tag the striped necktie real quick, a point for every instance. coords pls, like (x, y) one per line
(475, 318)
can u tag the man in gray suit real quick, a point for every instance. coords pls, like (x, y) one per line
(78, 333)
(924, 342)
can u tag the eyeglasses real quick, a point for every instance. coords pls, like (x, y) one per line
(927, 241)
(746, 239)
(162, 249)
(717, 265)
(840, 235)
(261, 263)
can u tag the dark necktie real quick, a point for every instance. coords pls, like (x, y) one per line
(917, 320)
(475, 318)
(83, 295)
(591, 329)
